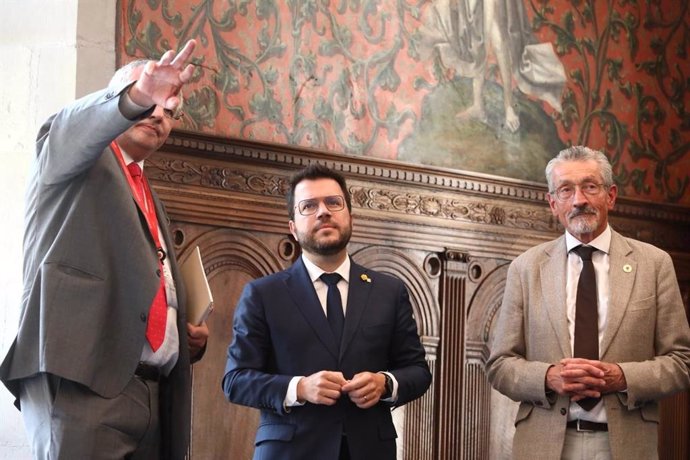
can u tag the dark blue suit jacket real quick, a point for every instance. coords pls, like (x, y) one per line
(280, 331)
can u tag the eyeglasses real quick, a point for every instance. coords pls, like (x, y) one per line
(566, 192)
(176, 114)
(310, 206)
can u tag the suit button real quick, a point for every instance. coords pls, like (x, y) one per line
(158, 273)
(563, 411)
(142, 317)
(109, 95)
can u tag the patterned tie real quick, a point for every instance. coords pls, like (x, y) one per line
(586, 316)
(334, 305)
(158, 313)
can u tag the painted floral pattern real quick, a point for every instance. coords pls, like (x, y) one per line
(355, 77)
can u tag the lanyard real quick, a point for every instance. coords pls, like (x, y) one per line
(143, 198)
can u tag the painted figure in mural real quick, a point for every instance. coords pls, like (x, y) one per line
(592, 331)
(463, 32)
(326, 348)
(101, 362)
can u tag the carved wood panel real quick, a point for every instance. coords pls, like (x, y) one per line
(448, 235)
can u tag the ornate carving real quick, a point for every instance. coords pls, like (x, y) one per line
(433, 205)
(188, 172)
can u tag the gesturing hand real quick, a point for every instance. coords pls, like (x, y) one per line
(160, 81)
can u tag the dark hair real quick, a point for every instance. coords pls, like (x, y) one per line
(314, 172)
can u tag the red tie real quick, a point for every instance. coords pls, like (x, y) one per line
(155, 327)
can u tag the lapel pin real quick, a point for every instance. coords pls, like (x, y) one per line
(364, 277)
(627, 268)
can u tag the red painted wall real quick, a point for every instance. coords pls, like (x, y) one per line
(362, 77)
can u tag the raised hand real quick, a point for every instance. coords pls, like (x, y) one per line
(159, 82)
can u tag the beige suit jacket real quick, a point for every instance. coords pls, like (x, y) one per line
(647, 334)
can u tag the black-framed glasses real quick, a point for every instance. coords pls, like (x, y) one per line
(311, 205)
(176, 114)
(566, 192)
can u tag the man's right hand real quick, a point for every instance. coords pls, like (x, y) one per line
(321, 388)
(160, 81)
(579, 384)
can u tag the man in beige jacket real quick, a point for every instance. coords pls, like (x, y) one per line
(573, 404)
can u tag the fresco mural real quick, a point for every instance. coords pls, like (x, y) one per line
(490, 86)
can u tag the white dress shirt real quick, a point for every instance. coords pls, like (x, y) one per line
(166, 356)
(321, 289)
(600, 260)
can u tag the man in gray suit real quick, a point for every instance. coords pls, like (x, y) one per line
(582, 398)
(100, 364)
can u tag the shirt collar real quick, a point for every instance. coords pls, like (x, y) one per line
(315, 272)
(128, 159)
(601, 242)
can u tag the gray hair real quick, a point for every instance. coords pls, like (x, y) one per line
(123, 75)
(580, 153)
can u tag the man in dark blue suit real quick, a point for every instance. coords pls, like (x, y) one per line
(322, 397)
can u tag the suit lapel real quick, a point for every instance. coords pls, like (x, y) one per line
(553, 269)
(302, 291)
(622, 272)
(357, 297)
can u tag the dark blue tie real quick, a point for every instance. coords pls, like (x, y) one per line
(334, 305)
(586, 343)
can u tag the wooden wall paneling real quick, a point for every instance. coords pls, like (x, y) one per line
(420, 273)
(221, 430)
(486, 283)
(449, 385)
(674, 438)
(448, 234)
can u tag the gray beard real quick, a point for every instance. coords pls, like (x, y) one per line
(581, 226)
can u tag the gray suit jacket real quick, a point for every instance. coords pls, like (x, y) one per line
(90, 267)
(646, 333)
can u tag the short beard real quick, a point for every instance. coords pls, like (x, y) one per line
(583, 226)
(309, 243)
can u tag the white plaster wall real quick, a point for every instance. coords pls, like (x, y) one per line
(51, 51)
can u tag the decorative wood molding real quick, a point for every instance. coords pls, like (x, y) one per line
(398, 191)
(380, 170)
(449, 235)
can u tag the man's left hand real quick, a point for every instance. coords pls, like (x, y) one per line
(612, 380)
(365, 389)
(196, 338)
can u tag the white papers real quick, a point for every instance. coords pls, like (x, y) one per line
(199, 297)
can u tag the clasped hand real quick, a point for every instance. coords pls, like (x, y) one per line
(582, 378)
(326, 387)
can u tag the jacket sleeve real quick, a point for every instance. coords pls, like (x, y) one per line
(72, 140)
(669, 370)
(508, 370)
(246, 379)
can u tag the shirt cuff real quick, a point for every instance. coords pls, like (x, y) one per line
(291, 396)
(394, 395)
